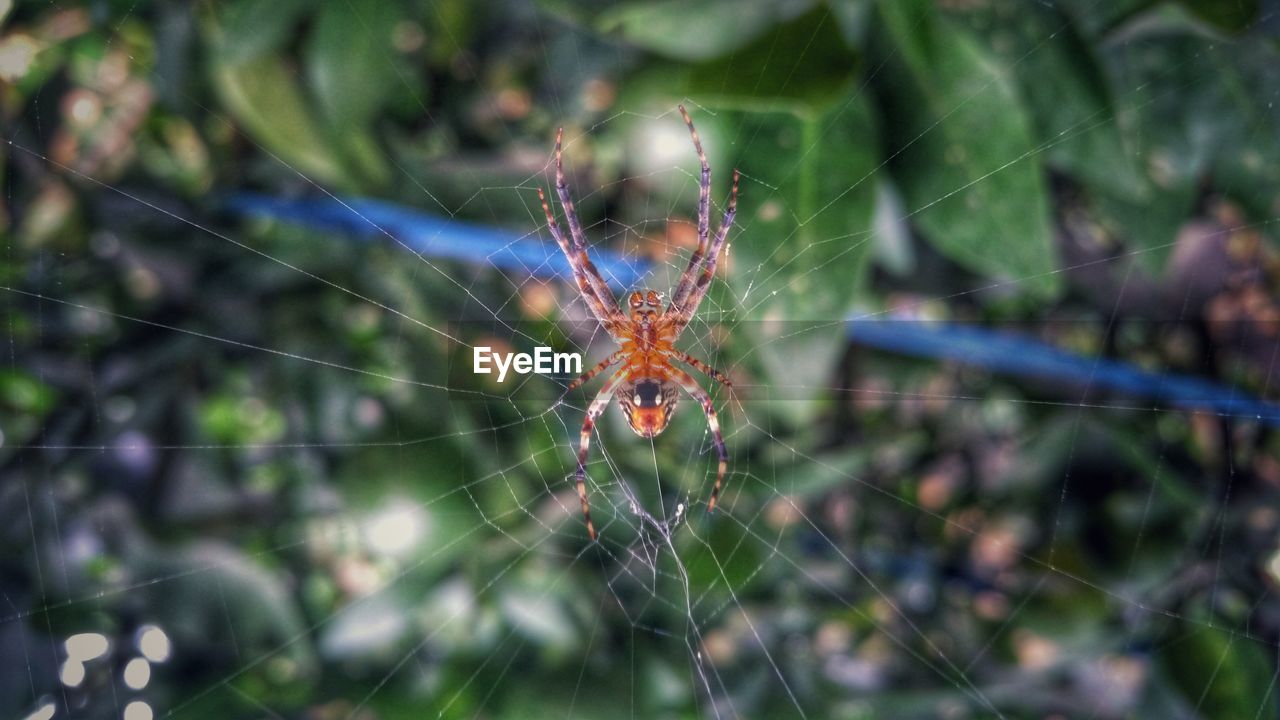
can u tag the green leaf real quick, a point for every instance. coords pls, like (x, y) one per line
(352, 74)
(349, 62)
(253, 28)
(1097, 19)
(228, 418)
(22, 393)
(363, 153)
(853, 18)
(799, 478)
(215, 586)
(1247, 164)
(1222, 674)
(697, 30)
(962, 149)
(1073, 117)
(1165, 115)
(723, 554)
(1236, 15)
(540, 617)
(263, 95)
(799, 257)
(800, 66)
(1188, 109)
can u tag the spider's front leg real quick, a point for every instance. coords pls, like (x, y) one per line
(587, 278)
(702, 264)
(578, 255)
(597, 406)
(702, 267)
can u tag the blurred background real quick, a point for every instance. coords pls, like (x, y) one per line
(246, 470)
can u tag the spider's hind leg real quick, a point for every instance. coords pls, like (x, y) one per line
(597, 406)
(686, 382)
(586, 377)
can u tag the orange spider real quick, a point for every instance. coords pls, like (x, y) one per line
(647, 384)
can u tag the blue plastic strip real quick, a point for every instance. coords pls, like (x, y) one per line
(437, 237)
(996, 351)
(1015, 355)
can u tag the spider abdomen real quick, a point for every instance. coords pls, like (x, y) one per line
(648, 402)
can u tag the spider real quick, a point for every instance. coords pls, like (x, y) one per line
(648, 383)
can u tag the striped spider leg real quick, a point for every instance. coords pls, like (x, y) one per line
(648, 384)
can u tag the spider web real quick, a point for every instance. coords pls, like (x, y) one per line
(819, 588)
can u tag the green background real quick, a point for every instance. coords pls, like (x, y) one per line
(205, 419)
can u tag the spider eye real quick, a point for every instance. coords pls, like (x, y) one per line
(636, 300)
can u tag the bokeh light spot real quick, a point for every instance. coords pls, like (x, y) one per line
(138, 710)
(86, 646)
(137, 673)
(154, 643)
(395, 529)
(72, 673)
(44, 712)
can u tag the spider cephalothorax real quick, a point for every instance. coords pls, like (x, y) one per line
(645, 306)
(647, 397)
(647, 386)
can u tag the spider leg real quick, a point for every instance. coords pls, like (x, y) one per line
(585, 377)
(579, 255)
(597, 406)
(704, 368)
(603, 308)
(689, 294)
(686, 381)
(704, 217)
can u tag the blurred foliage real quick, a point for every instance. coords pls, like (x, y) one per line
(269, 443)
